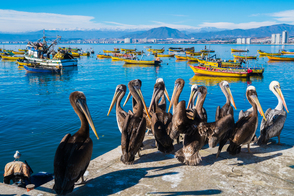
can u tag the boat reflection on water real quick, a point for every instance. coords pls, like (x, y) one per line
(44, 79)
(140, 65)
(212, 81)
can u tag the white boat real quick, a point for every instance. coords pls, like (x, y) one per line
(32, 55)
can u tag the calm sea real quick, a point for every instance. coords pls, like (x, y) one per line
(35, 112)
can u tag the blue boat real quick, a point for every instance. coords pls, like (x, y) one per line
(42, 69)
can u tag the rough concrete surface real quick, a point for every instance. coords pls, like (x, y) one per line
(268, 170)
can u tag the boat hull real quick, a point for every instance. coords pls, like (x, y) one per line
(129, 61)
(238, 50)
(245, 57)
(42, 69)
(278, 58)
(54, 62)
(201, 70)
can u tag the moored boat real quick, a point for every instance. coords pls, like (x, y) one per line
(42, 69)
(164, 55)
(12, 58)
(204, 70)
(220, 63)
(280, 58)
(103, 56)
(192, 59)
(245, 57)
(262, 53)
(207, 51)
(287, 52)
(111, 51)
(75, 54)
(18, 52)
(153, 62)
(22, 62)
(239, 50)
(178, 57)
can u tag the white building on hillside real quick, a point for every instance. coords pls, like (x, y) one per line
(285, 37)
(239, 41)
(127, 40)
(248, 40)
(273, 38)
(243, 41)
(278, 38)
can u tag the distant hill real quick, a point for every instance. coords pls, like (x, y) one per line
(257, 32)
(157, 33)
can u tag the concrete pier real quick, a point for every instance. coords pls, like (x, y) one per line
(268, 170)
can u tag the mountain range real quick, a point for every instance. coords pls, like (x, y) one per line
(155, 33)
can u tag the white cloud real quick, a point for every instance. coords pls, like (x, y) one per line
(285, 16)
(228, 25)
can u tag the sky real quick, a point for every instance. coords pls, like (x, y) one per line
(23, 16)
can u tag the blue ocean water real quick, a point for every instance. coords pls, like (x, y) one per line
(35, 112)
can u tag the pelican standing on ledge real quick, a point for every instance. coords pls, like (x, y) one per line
(227, 108)
(275, 119)
(134, 125)
(246, 126)
(120, 113)
(74, 152)
(161, 121)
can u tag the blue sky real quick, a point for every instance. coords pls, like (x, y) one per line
(20, 16)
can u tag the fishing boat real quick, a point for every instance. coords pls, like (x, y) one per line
(85, 54)
(178, 57)
(12, 58)
(280, 58)
(192, 59)
(127, 50)
(18, 52)
(42, 69)
(173, 49)
(39, 53)
(135, 52)
(205, 70)
(111, 51)
(153, 62)
(213, 81)
(22, 50)
(22, 62)
(75, 54)
(262, 53)
(156, 50)
(245, 57)
(287, 52)
(220, 63)
(239, 50)
(103, 56)
(207, 51)
(164, 55)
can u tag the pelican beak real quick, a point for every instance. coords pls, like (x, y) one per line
(282, 97)
(127, 98)
(173, 96)
(84, 108)
(142, 99)
(231, 96)
(153, 99)
(190, 99)
(255, 98)
(116, 95)
(167, 95)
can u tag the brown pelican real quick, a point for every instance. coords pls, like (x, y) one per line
(275, 119)
(246, 126)
(120, 113)
(134, 125)
(181, 123)
(161, 105)
(161, 121)
(227, 108)
(74, 151)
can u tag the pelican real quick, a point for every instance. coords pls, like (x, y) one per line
(181, 123)
(227, 108)
(161, 105)
(275, 119)
(120, 113)
(161, 121)
(74, 151)
(246, 126)
(16, 155)
(134, 125)
(178, 86)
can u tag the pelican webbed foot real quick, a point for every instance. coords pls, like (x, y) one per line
(82, 181)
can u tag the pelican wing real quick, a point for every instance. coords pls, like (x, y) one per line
(124, 136)
(137, 136)
(268, 121)
(244, 130)
(217, 114)
(71, 161)
(275, 120)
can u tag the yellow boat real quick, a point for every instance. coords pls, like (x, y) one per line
(22, 62)
(192, 59)
(164, 55)
(156, 50)
(22, 50)
(181, 57)
(239, 50)
(18, 52)
(245, 57)
(135, 52)
(75, 54)
(153, 62)
(203, 70)
(116, 58)
(127, 50)
(220, 63)
(207, 51)
(286, 52)
(261, 53)
(103, 56)
(111, 51)
(12, 58)
(85, 54)
(280, 58)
